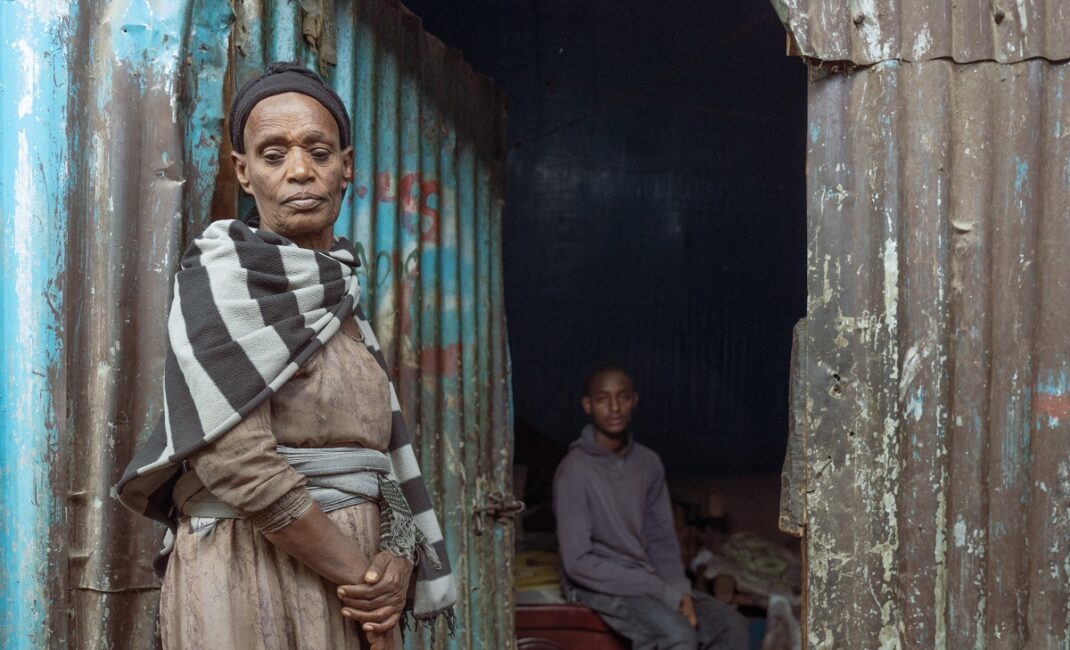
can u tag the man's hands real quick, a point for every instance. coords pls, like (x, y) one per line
(377, 604)
(687, 609)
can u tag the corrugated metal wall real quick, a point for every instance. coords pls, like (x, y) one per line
(937, 408)
(143, 121)
(868, 31)
(426, 209)
(146, 107)
(34, 165)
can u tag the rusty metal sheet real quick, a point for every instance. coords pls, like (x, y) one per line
(425, 213)
(34, 180)
(116, 111)
(426, 209)
(792, 519)
(869, 31)
(138, 183)
(938, 399)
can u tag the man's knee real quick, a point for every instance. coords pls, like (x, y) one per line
(677, 636)
(724, 628)
(737, 630)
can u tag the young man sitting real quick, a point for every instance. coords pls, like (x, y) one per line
(615, 529)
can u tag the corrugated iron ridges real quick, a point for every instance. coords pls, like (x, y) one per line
(425, 213)
(146, 123)
(938, 414)
(35, 159)
(145, 117)
(868, 31)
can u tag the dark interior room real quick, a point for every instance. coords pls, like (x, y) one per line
(654, 217)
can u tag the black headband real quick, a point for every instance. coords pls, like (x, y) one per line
(282, 78)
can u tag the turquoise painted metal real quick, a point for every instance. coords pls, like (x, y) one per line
(425, 214)
(34, 160)
(146, 117)
(113, 122)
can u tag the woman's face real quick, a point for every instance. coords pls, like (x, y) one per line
(293, 165)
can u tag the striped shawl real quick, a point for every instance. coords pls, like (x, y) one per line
(249, 308)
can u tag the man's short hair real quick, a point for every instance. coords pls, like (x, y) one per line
(603, 368)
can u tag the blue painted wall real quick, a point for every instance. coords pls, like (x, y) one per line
(655, 213)
(33, 223)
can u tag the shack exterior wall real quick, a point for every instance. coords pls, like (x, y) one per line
(936, 405)
(144, 119)
(34, 165)
(864, 32)
(115, 155)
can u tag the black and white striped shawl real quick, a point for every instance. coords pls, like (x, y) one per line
(249, 308)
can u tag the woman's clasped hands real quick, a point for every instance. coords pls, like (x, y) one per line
(378, 603)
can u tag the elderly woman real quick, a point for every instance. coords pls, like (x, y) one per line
(281, 463)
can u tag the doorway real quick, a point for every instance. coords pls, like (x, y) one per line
(654, 217)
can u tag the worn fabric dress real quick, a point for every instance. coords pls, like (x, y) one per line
(226, 585)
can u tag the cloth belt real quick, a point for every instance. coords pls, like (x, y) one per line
(338, 477)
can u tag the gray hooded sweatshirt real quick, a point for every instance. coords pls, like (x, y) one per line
(614, 522)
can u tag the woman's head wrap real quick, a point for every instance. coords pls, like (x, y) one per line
(280, 78)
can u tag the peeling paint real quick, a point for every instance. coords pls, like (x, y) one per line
(890, 259)
(940, 562)
(921, 44)
(146, 106)
(936, 376)
(911, 365)
(923, 30)
(960, 533)
(33, 186)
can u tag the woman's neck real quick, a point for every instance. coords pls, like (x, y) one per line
(321, 241)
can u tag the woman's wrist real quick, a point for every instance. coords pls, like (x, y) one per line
(315, 541)
(288, 509)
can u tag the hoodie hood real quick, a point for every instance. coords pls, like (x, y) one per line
(588, 444)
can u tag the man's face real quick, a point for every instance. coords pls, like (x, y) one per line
(610, 400)
(293, 165)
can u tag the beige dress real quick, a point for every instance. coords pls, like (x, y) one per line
(226, 585)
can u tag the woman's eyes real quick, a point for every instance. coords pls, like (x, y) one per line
(319, 154)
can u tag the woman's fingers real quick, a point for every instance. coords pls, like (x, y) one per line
(388, 584)
(379, 641)
(377, 567)
(383, 627)
(367, 604)
(374, 616)
(366, 592)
